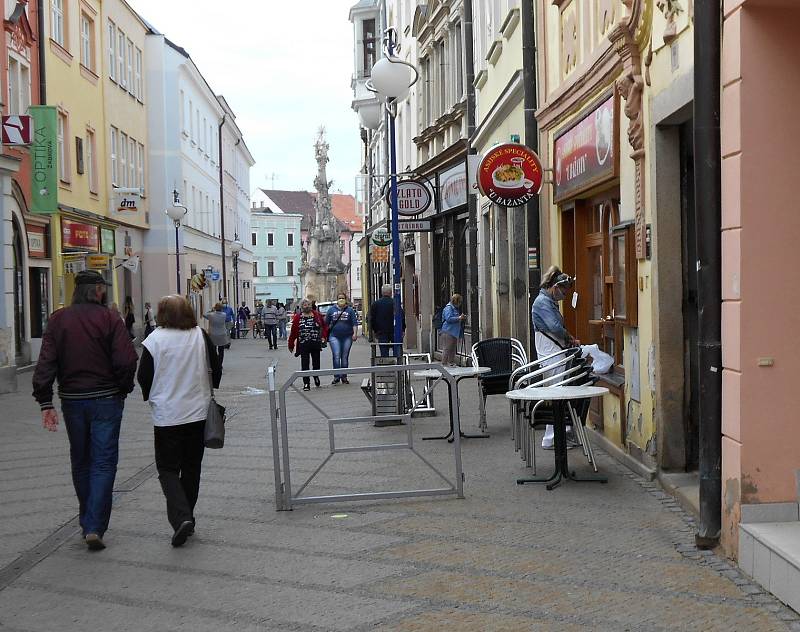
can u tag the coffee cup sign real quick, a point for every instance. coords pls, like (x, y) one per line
(413, 197)
(510, 174)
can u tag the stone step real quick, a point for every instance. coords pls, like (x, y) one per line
(770, 553)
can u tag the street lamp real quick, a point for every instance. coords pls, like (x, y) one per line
(236, 248)
(176, 213)
(391, 79)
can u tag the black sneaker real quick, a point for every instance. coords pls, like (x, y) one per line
(182, 532)
(335, 381)
(94, 542)
(316, 381)
(345, 380)
(306, 387)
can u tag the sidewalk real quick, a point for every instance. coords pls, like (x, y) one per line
(582, 557)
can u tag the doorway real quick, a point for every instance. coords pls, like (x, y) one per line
(19, 294)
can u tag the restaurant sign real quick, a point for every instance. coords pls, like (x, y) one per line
(413, 197)
(453, 186)
(586, 154)
(79, 236)
(510, 174)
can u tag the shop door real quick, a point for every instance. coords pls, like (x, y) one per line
(19, 295)
(690, 326)
(39, 284)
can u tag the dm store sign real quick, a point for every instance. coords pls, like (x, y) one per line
(510, 174)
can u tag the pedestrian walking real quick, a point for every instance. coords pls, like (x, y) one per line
(243, 317)
(550, 334)
(452, 329)
(283, 317)
(230, 320)
(381, 322)
(342, 322)
(270, 319)
(87, 349)
(149, 320)
(130, 317)
(217, 329)
(308, 333)
(179, 363)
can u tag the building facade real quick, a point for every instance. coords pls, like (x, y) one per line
(275, 241)
(184, 124)
(26, 280)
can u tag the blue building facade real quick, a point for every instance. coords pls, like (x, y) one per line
(277, 254)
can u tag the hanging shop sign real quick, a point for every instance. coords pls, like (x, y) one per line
(107, 241)
(37, 241)
(413, 197)
(453, 187)
(586, 154)
(126, 202)
(381, 238)
(44, 157)
(79, 236)
(98, 262)
(510, 174)
(74, 264)
(17, 130)
(414, 226)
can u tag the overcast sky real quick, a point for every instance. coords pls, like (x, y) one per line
(285, 69)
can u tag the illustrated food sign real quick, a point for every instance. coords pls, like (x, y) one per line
(510, 174)
(453, 186)
(44, 180)
(586, 154)
(79, 236)
(413, 197)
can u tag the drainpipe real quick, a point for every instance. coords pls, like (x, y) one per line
(529, 81)
(708, 16)
(222, 212)
(472, 200)
(40, 34)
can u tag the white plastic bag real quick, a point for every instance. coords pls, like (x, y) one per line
(601, 361)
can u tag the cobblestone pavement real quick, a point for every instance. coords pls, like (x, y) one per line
(582, 557)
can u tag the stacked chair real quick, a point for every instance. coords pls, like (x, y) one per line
(503, 356)
(563, 368)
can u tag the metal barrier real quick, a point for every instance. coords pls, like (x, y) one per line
(286, 497)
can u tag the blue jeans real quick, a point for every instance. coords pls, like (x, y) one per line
(93, 429)
(385, 347)
(340, 350)
(282, 329)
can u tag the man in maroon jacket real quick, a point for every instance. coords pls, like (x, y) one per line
(87, 348)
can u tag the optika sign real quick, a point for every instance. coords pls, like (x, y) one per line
(413, 197)
(510, 174)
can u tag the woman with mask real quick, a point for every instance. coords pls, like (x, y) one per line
(548, 323)
(308, 334)
(342, 322)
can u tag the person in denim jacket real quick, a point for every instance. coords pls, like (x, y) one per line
(452, 329)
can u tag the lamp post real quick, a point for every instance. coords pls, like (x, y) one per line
(176, 213)
(236, 248)
(391, 79)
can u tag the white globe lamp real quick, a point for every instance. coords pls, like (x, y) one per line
(391, 77)
(369, 115)
(236, 247)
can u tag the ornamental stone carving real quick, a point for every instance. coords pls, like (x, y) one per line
(671, 10)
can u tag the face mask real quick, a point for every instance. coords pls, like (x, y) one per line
(558, 294)
(341, 302)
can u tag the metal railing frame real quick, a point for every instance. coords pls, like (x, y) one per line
(286, 498)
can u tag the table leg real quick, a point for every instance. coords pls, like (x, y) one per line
(462, 434)
(449, 435)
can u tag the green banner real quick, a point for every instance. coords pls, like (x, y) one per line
(44, 159)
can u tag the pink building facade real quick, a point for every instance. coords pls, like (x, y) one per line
(760, 291)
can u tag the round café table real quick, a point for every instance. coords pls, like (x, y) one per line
(559, 396)
(459, 373)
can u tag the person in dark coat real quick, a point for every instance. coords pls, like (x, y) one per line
(381, 322)
(88, 350)
(308, 333)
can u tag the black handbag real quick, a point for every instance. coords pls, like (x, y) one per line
(214, 435)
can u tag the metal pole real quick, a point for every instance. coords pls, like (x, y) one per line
(177, 260)
(472, 200)
(222, 211)
(708, 197)
(398, 301)
(235, 256)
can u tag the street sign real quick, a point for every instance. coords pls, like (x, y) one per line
(510, 174)
(413, 197)
(414, 226)
(17, 130)
(215, 276)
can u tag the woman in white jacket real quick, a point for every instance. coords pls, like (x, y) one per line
(178, 365)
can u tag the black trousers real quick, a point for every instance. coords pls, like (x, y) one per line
(221, 354)
(272, 336)
(309, 359)
(179, 456)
